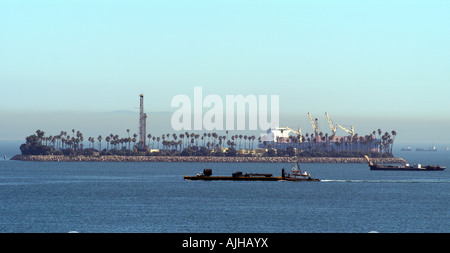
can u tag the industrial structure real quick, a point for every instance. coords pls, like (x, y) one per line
(277, 134)
(142, 125)
(314, 124)
(279, 138)
(298, 133)
(332, 127)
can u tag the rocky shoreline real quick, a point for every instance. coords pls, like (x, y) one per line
(114, 158)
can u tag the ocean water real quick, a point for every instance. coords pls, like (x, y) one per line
(108, 197)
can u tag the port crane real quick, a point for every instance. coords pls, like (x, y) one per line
(299, 133)
(332, 127)
(314, 125)
(351, 132)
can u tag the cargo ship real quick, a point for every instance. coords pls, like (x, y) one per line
(416, 167)
(206, 175)
(429, 149)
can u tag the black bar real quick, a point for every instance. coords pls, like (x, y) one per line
(218, 242)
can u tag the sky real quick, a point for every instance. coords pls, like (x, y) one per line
(82, 64)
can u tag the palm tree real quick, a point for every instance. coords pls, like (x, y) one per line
(134, 139)
(214, 135)
(385, 141)
(129, 139)
(192, 135)
(240, 140)
(99, 138)
(221, 141)
(181, 136)
(116, 141)
(149, 136)
(394, 134)
(197, 136)
(70, 142)
(163, 137)
(79, 139)
(107, 139)
(186, 134)
(179, 143)
(40, 134)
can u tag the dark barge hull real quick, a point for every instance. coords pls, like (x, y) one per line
(224, 178)
(407, 168)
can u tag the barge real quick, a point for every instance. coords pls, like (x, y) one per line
(405, 167)
(206, 175)
(237, 176)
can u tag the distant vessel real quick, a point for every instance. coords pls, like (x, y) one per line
(4, 157)
(429, 149)
(406, 149)
(416, 167)
(447, 148)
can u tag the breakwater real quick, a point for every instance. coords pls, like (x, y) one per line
(114, 158)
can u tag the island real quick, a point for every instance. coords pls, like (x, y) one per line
(66, 148)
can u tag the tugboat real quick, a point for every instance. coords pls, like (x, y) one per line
(297, 174)
(416, 167)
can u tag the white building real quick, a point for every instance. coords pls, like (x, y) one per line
(278, 134)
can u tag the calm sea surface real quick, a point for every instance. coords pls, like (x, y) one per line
(153, 197)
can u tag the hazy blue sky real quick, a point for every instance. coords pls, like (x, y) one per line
(371, 64)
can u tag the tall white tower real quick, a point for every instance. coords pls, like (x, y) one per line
(142, 125)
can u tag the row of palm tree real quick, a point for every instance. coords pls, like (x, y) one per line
(211, 141)
(180, 141)
(75, 141)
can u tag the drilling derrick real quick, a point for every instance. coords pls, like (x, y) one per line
(142, 125)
